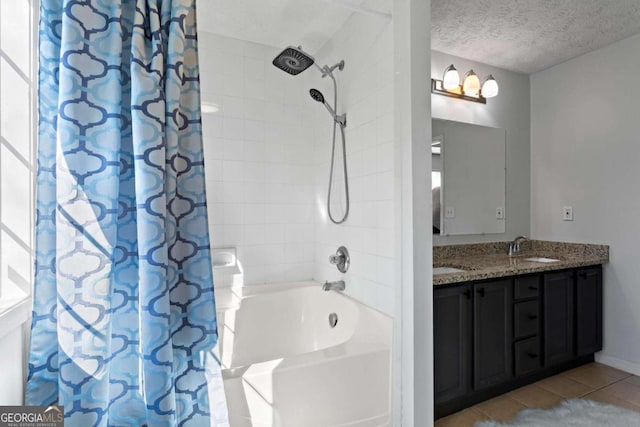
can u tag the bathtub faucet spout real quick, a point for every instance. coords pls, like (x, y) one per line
(334, 286)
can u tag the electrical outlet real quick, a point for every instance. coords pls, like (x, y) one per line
(567, 213)
(450, 212)
(499, 212)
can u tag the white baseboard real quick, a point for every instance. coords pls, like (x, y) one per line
(614, 362)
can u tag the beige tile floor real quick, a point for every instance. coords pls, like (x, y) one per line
(593, 381)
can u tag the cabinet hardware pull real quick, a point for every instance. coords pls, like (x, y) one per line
(467, 293)
(481, 292)
(532, 355)
(532, 317)
(533, 288)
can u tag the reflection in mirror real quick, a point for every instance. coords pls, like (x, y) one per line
(468, 178)
(436, 181)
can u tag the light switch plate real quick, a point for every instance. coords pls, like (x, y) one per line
(567, 213)
(450, 212)
(499, 212)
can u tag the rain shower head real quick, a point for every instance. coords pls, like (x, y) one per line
(317, 95)
(293, 60)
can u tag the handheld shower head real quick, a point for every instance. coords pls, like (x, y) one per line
(317, 95)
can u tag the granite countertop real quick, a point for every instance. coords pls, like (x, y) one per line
(490, 260)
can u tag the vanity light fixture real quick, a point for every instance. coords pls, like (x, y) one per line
(450, 78)
(471, 84)
(489, 87)
(469, 89)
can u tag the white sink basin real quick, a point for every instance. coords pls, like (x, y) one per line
(446, 270)
(542, 259)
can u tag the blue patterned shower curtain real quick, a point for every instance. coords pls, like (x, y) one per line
(124, 313)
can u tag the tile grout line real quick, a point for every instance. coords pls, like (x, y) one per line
(544, 390)
(615, 382)
(502, 397)
(598, 388)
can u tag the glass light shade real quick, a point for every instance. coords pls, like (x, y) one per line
(471, 84)
(451, 78)
(489, 87)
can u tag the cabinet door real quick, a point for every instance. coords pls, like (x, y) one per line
(558, 317)
(452, 342)
(589, 311)
(493, 325)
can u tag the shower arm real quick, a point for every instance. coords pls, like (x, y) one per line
(321, 69)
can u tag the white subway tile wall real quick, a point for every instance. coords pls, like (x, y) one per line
(365, 89)
(259, 161)
(268, 152)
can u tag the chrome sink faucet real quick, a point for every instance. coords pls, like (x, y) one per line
(334, 286)
(514, 247)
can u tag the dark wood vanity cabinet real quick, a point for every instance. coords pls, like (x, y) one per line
(492, 330)
(526, 324)
(588, 311)
(496, 335)
(453, 335)
(558, 317)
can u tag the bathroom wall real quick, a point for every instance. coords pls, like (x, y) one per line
(268, 151)
(259, 161)
(585, 153)
(366, 94)
(510, 110)
(17, 167)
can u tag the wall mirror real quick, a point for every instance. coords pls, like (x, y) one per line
(468, 178)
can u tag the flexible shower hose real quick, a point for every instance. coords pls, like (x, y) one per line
(344, 161)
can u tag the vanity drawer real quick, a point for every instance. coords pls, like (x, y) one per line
(527, 287)
(527, 356)
(526, 317)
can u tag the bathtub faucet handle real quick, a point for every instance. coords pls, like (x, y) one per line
(341, 259)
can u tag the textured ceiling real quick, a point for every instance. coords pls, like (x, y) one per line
(529, 35)
(310, 23)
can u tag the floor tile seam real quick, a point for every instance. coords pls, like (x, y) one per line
(504, 396)
(621, 398)
(562, 398)
(591, 389)
(604, 386)
(596, 388)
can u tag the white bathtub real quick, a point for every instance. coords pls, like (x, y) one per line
(285, 366)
